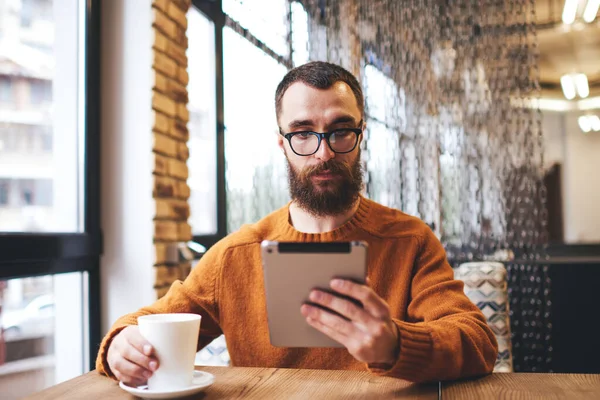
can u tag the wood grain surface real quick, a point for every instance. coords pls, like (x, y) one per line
(525, 386)
(260, 383)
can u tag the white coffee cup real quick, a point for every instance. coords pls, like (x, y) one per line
(175, 339)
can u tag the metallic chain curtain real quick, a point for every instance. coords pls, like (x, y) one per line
(447, 140)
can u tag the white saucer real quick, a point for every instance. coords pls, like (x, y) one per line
(201, 381)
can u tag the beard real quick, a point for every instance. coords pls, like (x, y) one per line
(326, 197)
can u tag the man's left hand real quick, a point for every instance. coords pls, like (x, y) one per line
(369, 333)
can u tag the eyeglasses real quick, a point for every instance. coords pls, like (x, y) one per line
(307, 143)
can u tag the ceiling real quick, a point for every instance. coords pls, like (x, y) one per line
(566, 48)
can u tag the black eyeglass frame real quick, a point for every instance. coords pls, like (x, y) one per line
(326, 135)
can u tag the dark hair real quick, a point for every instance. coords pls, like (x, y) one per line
(320, 75)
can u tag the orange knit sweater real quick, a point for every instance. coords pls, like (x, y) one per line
(442, 334)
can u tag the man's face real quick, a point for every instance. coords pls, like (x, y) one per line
(325, 183)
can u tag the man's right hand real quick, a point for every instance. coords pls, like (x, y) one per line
(131, 358)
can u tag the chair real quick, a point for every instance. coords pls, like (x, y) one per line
(486, 286)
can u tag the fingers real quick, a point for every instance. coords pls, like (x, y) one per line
(137, 340)
(130, 373)
(372, 303)
(338, 324)
(132, 354)
(129, 357)
(342, 306)
(139, 351)
(332, 333)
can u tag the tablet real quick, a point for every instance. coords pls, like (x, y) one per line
(291, 271)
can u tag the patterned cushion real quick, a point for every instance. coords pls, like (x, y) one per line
(214, 354)
(485, 285)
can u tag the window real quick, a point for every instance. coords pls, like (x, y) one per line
(39, 120)
(202, 144)
(4, 193)
(256, 174)
(300, 42)
(266, 20)
(5, 90)
(40, 91)
(43, 326)
(386, 121)
(49, 190)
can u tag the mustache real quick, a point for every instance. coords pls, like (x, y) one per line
(334, 167)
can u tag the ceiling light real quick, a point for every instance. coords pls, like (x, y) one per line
(568, 86)
(594, 122)
(585, 123)
(591, 10)
(570, 11)
(581, 83)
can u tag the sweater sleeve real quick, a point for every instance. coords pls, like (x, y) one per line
(445, 336)
(198, 294)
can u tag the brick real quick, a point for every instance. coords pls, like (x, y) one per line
(166, 275)
(176, 91)
(164, 24)
(177, 14)
(162, 209)
(165, 187)
(180, 36)
(162, 103)
(177, 53)
(183, 190)
(162, 291)
(165, 231)
(182, 112)
(180, 210)
(185, 268)
(161, 42)
(161, 4)
(185, 231)
(166, 145)
(183, 151)
(166, 65)
(182, 76)
(162, 122)
(160, 83)
(180, 130)
(178, 169)
(161, 165)
(160, 253)
(182, 4)
(166, 253)
(172, 209)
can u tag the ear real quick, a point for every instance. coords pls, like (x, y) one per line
(362, 136)
(280, 141)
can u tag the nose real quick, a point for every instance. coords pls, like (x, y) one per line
(324, 152)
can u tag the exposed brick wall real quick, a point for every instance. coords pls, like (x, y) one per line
(169, 102)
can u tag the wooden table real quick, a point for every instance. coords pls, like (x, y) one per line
(271, 383)
(260, 383)
(525, 386)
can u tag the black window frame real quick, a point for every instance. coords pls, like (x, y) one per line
(31, 254)
(213, 10)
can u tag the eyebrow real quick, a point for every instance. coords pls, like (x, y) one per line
(298, 123)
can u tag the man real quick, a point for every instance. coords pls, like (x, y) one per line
(415, 323)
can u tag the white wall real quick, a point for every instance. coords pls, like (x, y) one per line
(127, 205)
(579, 155)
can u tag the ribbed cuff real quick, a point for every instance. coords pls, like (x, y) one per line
(415, 355)
(101, 361)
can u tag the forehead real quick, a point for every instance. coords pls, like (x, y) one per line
(301, 101)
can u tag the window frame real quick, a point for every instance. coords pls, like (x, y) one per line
(213, 10)
(26, 254)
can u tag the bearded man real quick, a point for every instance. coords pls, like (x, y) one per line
(415, 322)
